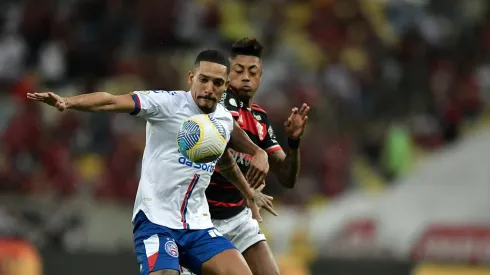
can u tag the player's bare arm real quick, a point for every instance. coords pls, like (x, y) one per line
(93, 102)
(259, 164)
(286, 166)
(256, 200)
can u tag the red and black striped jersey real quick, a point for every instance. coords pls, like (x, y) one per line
(225, 201)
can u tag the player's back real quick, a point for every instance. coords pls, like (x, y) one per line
(225, 201)
(171, 188)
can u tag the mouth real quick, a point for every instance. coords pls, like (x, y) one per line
(246, 88)
(207, 99)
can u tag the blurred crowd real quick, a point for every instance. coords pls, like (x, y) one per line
(382, 78)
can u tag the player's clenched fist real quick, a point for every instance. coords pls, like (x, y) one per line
(50, 99)
(259, 167)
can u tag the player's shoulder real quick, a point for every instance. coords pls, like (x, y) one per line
(259, 113)
(230, 100)
(161, 93)
(258, 109)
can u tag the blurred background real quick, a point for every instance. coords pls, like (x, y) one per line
(395, 175)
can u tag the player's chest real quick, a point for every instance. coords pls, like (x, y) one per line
(179, 117)
(254, 123)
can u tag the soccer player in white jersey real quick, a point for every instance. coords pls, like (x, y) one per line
(172, 223)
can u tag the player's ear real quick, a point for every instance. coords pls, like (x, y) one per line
(190, 76)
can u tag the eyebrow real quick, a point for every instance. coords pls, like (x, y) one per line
(249, 67)
(213, 78)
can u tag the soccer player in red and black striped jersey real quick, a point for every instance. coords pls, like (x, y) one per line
(227, 206)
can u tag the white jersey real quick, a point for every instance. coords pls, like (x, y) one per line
(171, 188)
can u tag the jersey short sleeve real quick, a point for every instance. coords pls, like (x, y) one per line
(230, 102)
(154, 105)
(269, 143)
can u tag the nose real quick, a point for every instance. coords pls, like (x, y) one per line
(246, 77)
(208, 88)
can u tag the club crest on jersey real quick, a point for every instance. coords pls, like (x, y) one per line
(172, 249)
(232, 102)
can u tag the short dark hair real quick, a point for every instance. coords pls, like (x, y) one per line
(246, 46)
(213, 56)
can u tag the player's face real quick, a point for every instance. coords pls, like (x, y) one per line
(245, 75)
(208, 82)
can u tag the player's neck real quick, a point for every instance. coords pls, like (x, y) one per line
(247, 101)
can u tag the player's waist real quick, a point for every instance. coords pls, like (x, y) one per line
(141, 215)
(228, 198)
(224, 213)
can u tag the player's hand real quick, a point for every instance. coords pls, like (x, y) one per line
(259, 201)
(255, 211)
(50, 99)
(253, 207)
(259, 167)
(296, 123)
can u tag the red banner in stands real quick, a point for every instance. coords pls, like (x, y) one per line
(468, 244)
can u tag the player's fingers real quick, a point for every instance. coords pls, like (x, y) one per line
(305, 120)
(252, 177)
(271, 210)
(257, 217)
(259, 178)
(36, 96)
(261, 187)
(304, 110)
(33, 97)
(269, 197)
(249, 176)
(288, 122)
(43, 95)
(256, 213)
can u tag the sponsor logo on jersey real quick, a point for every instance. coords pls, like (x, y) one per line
(272, 135)
(258, 117)
(271, 132)
(260, 130)
(208, 167)
(241, 158)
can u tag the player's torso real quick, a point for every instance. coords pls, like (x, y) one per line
(224, 199)
(172, 187)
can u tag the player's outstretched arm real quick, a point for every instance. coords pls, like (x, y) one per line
(287, 166)
(255, 198)
(259, 164)
(93, 102)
